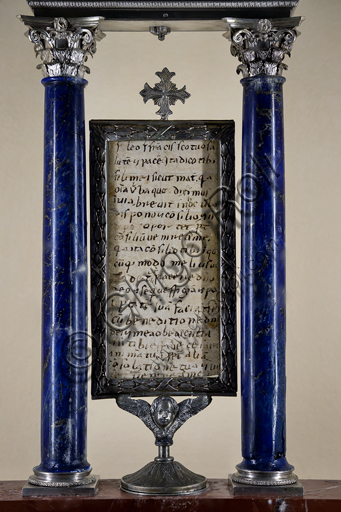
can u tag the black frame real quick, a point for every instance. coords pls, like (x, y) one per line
(164, 10)
(102, 132)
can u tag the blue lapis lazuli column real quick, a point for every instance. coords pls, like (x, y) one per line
(263, 277)
(64, 308)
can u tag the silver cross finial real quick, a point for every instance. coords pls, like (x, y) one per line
(164, 93)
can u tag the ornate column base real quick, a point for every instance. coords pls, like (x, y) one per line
(269, 478)
(72, 479)
(49, 484)
(249, 482)
(243, 489)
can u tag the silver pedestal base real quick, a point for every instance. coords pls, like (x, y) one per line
(84, 489)
(164, 477)
(264, 478)
(238, 489)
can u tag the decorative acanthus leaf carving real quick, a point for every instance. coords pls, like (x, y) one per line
(262, 46)
(64, 46)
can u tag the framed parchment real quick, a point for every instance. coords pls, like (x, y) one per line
(163, 281)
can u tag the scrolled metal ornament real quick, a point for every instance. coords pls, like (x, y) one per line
(262, 45)
(64, 45)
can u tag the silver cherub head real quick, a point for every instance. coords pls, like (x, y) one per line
(164, 410)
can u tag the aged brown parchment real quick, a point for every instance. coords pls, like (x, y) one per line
(163, 308)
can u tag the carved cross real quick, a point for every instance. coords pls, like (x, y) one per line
(164, 93)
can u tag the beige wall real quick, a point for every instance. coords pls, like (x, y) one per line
(210, 443)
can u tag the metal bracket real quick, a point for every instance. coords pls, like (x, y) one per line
(160, 32)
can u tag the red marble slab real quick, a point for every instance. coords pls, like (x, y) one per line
(319, 496)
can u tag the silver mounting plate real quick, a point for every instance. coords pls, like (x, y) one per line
(238, 489)
(89, 489)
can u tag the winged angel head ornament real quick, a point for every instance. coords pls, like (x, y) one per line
(164, 417)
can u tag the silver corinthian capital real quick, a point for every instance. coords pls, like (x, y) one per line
(63, 45)
(261, 45)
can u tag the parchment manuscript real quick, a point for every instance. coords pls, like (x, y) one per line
(163, 271)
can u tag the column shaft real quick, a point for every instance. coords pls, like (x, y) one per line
(64, 308)
(263, 323)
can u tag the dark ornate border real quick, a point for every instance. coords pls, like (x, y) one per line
(155, 9)
(170, 3)
(100, 133)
